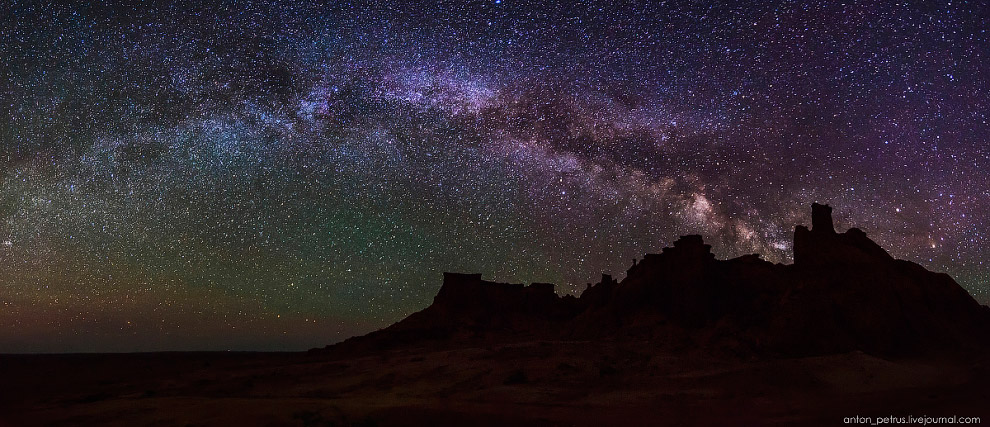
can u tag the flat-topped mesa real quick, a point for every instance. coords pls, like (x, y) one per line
(458, 286)
(468, 293)
(823, 246)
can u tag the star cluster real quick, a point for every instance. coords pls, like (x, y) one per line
(282, 175)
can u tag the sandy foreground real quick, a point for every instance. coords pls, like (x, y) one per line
(533, 383)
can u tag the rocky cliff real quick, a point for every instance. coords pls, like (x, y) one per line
(843, 293)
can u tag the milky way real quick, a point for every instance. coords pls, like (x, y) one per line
(255, 175)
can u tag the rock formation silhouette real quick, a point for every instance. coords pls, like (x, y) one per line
(843, 293)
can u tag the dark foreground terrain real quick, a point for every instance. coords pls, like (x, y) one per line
(531, 383)
(844, 333)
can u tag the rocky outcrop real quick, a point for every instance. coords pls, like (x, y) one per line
(468, 309)
(822, 246)
(843, 293)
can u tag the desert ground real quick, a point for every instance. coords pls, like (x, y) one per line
(531, 383)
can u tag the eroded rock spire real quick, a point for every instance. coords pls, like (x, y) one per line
(821, 218)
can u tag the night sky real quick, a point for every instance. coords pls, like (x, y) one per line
(253, 175)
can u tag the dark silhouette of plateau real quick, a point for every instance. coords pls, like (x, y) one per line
(684, 339)
(843, 293)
